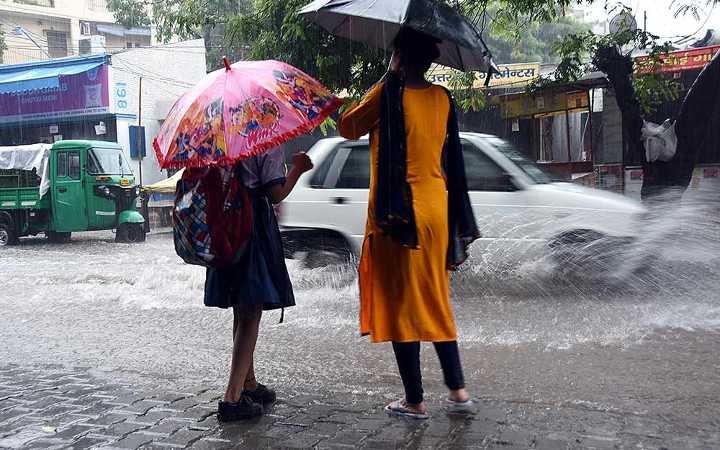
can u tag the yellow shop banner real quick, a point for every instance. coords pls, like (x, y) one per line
(510, 75)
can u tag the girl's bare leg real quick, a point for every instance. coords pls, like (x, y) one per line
(246, 325)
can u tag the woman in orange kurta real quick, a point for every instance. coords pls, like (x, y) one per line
(404, 292)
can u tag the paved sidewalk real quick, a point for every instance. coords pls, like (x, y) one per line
(57, 407)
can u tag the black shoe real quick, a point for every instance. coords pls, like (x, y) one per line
(261, 395)
(244, 409)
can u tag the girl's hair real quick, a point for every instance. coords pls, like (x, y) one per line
(416, 49)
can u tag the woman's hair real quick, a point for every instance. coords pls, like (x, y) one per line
(417, 50)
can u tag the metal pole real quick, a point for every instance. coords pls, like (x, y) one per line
(567, 132)
(138, 139)
(591, 100)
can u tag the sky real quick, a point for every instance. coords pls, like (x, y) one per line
(660, 17)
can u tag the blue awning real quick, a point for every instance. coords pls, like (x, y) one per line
(41, 77)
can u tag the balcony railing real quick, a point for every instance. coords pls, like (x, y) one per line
(97, 5)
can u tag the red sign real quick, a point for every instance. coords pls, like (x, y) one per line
(677, 61)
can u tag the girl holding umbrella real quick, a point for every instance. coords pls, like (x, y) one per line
(243, 113)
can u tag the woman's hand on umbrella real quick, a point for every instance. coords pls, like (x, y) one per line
(302, 162)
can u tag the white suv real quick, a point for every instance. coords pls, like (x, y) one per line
(513, 199)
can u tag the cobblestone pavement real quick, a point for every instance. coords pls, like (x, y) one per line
(58, 407)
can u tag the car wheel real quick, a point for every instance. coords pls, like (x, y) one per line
(327, 250)
(577, 248)
(7, 235)
(58, 237)
(130, 233)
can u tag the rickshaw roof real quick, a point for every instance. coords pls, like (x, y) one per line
(72, 144)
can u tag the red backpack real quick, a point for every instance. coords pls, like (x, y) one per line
(212, 217)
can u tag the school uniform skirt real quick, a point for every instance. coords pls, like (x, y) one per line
(261, 276)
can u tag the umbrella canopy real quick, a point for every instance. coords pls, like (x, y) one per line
(376, 23)
(241, 111)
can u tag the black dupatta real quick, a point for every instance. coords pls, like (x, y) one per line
(394, 213)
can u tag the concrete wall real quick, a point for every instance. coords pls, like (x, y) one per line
(611, 150)
(167, 73)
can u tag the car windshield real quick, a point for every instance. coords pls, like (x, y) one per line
(531, 169)
(108, 162)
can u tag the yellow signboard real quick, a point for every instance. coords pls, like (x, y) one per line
(526, 105)
(511, 75)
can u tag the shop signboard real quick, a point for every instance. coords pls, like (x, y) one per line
(543, 104)
(510, 75)
(79, 94)
(694, 59)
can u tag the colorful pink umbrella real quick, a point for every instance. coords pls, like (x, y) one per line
(241, 111)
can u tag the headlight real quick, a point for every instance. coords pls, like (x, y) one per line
(106, 191)
(137, 190)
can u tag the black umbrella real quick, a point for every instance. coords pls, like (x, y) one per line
(377, 22)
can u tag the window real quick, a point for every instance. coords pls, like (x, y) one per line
(57, 44)
(103, 161)
(482, 172)
(97, 5)
(74, 165)
(530, 168)
(355, 173)
(45, 3)
(321, 173)
(62, 164)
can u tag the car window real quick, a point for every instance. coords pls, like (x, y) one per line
(320, 175)
(482, 173)
(62, 164)
(531, 169)
(355, 173)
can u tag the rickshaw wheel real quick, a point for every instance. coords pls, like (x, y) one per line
(131, 233)
(7, 236)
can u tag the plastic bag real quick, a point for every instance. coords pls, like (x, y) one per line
(660, 141)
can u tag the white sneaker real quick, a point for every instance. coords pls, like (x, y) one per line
(466, 407)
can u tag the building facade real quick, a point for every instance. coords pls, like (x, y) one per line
(99, 97)
(37, 30)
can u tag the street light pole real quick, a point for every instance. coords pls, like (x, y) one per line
(138, 139)
(20, 31)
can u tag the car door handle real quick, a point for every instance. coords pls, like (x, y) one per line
(340, 200)
(62, 189)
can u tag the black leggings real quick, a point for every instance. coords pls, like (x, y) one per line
(408, 359)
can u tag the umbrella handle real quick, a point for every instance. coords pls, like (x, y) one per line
(226, 62)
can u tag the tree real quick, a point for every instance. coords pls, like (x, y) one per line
(186, 19)
(519, 30)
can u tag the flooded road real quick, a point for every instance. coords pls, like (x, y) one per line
(639, 341)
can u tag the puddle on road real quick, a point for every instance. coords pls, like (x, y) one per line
(510, 293)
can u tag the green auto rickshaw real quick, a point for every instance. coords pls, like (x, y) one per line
(67, 187)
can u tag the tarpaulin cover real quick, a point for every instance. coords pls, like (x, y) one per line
(166, 186)
(28, 157)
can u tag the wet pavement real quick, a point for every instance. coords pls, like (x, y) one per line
(57, 407)
(109, 345)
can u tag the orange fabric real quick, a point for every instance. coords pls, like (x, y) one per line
(404, 293)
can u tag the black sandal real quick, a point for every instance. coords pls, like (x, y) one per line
(243, 409)
(261, 394)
